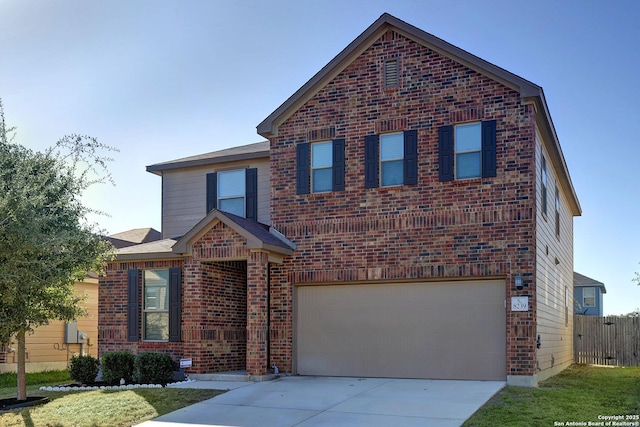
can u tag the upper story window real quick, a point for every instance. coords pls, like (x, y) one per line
(321, 167)
(234, 191)
(588, 297)
(557, 211)
(468, 147)
(391, 159)
(155, 308)
(231, 191)
(467, 151)
(543, 179)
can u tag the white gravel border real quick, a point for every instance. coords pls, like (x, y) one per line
(110, 387)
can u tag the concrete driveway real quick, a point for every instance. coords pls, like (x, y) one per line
(331, 401)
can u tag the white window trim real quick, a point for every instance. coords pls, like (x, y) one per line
(145, 310)
(584, 297)
(395, 159)
(456, 152)
(313, 169)
(244, 192)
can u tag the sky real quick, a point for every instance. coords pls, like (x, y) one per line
(165, 79)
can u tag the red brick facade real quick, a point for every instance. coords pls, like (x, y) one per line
(434, 230)
(237, 301)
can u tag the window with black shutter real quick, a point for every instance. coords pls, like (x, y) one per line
(467, 151)
(320, 166)
(234, 191)
(391, 159)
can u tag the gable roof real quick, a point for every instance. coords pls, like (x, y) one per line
(258, 235)
(256, 150)
(581, 281)
(530, 92)
(134, 237)
(159, 249)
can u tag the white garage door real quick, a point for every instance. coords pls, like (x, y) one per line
(451, 330)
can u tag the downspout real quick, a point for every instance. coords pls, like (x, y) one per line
(268, 315)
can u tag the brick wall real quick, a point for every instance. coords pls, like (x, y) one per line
(473, 228)
(214, 316)
(112, 313)
(214, 305)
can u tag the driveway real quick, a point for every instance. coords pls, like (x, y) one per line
(331, 401)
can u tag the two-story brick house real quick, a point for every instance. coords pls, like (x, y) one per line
(411, 215)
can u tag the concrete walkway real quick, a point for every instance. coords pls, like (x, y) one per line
(331, 401)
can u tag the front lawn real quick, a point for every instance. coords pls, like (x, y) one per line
(579, 394)
(93, 408)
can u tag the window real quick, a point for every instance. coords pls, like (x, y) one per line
(155, 310)
(321, 167)
(234, 192)
(391, 159)
(557, 211)
(544, 185)
(467, 151)
(231, 188)
(321, 164)
(391, 73)
(468, 147)
(161, 304)
(589, 297)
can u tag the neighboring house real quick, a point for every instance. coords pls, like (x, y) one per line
(587, 295)
(411, 215)
(51, 346)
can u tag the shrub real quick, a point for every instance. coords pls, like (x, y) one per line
(117, 365)
(83, 369)
(154, 368)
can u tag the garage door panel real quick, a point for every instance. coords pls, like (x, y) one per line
(429, 330)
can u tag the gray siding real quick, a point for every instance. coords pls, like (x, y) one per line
(184, 195)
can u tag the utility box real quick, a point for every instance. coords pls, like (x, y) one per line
(82, 337)
(71, 333)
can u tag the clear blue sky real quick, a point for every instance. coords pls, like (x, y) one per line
(166, 79)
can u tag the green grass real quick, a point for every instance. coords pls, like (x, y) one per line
(93, 408)
(578, 394)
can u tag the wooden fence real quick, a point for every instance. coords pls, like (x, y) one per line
(609, 340)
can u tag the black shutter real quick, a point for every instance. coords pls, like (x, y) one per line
(338, 164)
(175, 303)
(302, 181)
(489, 149)
(212, 191)
(445, 152)
(371, 161)
(251, 194)
(133, 305)
(410, 157)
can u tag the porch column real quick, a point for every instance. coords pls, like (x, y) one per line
(257, 312)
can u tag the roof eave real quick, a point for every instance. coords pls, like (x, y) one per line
(158, 168)
(146, 256)
(548, 131)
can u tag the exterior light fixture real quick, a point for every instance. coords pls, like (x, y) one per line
(519, 282)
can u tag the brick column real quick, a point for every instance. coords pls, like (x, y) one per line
(257, 312)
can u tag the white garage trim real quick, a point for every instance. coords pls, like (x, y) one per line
(438, 330)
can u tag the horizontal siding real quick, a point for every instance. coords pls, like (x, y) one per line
(47, 344)
(184, 195)
(554, 280)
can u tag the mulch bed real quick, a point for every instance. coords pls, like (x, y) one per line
(13, 403)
